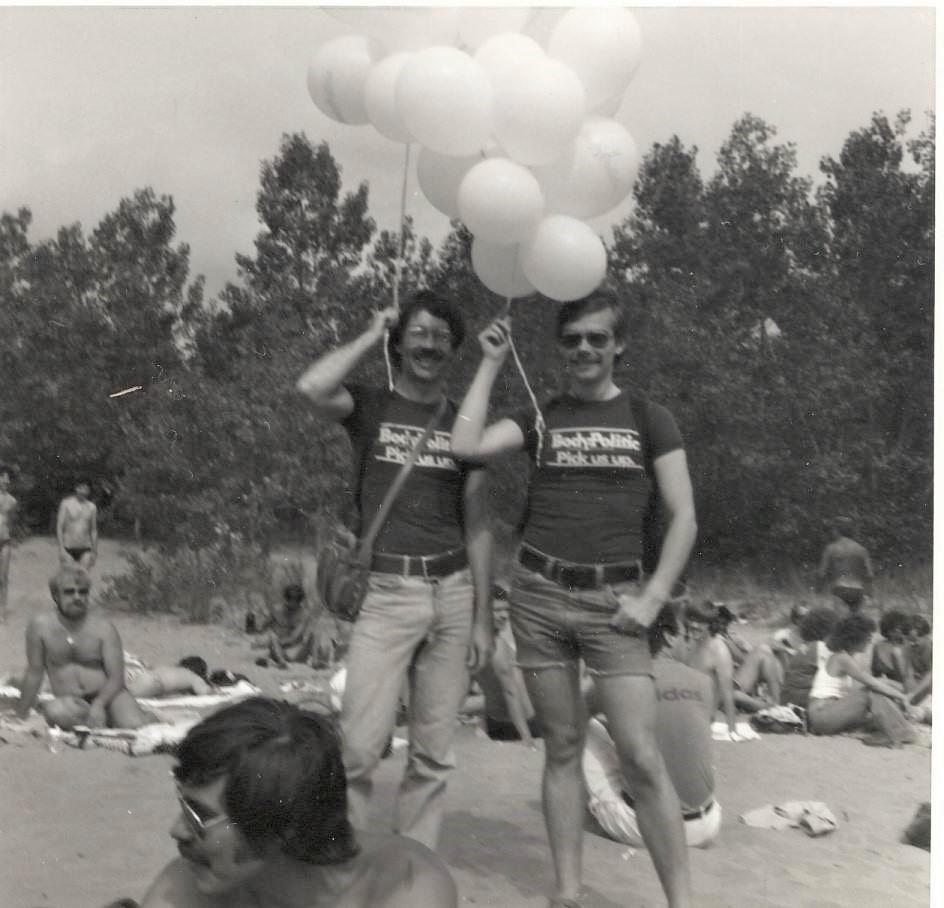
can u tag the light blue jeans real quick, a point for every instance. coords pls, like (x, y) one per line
(419, 629)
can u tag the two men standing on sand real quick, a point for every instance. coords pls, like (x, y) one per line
(579, 591)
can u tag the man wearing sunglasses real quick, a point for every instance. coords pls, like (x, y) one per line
(81, 652)
(263, 820)
(426, 619)
(580, 590)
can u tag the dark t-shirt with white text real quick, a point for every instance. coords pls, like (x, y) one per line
(426, 517)
(589, 492)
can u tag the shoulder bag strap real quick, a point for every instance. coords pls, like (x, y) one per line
(367, 540)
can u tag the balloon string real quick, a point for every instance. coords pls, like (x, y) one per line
(539, 424)
(398, 261)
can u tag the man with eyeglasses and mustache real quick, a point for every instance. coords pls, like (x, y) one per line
(81, 652)
(582, 589)
(426, 619)
(263, 821)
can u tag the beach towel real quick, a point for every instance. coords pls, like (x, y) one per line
(177, 714)
(780, 720)
(813, 817)
(719, 732)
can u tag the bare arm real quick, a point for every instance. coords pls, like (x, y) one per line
(322, 381)
(903, 669)
(113, 662)
(93, 531)
(675, 487)
(35, 668)
(850, 667)
(471, 440)
(724, 673)
(513, 690)
(478, 542)
(61, 524)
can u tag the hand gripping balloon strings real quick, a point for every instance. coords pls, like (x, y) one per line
(398, 263)
(539, 424)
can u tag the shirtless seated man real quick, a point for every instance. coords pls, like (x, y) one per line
(263, 821)
(82, 654)
(291, 628)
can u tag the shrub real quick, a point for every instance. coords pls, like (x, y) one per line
(213, 583)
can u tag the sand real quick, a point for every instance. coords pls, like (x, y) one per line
(84, 827)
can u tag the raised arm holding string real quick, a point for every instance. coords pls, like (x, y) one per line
(323, 381)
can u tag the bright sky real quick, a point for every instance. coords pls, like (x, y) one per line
(97, 102)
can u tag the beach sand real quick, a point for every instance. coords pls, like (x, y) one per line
(86, 826)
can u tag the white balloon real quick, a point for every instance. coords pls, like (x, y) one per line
(538, 110)
(603, 45)
(439, 176)
(499, 268)
(445, 100)
(477, 24)
(595, 173)
(503, 55)
(500, 201)
(380, 97)
(337, 75)
(564, 259)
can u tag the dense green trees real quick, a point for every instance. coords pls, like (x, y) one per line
(790, 329)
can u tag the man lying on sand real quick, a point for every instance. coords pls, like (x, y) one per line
(189, 676)
(82, 654)
(263, 821)
(684, 709)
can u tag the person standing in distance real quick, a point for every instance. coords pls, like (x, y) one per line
(578, 589)
(8, 506)
(427, 615)
(77, 528)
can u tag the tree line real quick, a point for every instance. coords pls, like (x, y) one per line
(787, 325)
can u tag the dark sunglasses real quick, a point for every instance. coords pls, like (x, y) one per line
(596, 339)
(73, 591)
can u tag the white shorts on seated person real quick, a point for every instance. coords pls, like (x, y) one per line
(604, 777)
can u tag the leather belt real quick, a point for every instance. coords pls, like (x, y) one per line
(686, 814)
(440, 565)
(578, 576)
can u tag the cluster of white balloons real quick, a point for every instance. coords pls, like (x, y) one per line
(517, 140)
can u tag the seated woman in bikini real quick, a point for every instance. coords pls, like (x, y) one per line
(844, 697)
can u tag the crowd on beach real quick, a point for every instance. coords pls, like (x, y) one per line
(592, 643)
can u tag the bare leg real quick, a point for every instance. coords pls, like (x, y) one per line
(125, 712)
(555, 695)
(760, 665)
(629, 703)
(830, 717)
(66, 712)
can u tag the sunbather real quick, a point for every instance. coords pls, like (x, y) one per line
(837, 704)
